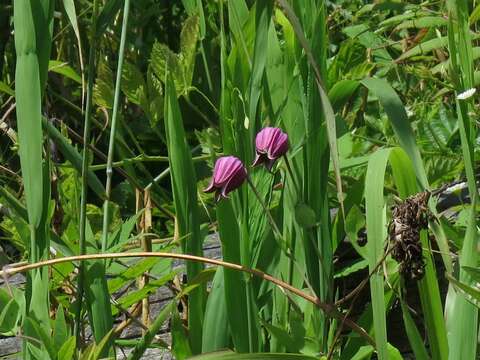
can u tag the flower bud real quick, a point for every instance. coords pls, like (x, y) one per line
(270, 143)
(228, 174)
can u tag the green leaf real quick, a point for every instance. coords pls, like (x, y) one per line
(184, 186)
(305, 215)
(376, 231)
(180, 347)
(61, 332)
(235, 285)
(106, 16)
(215, 323)
(64, 69)
(133, 84)
(98, 303)
(416, 341)
(133, 271)
(9, 316)
(67, 350)
(28, 94)
(423, 22)
(188, 46)
(138, 295)
(398, 117)
(6, 89)
(341, 92)
(147, 338)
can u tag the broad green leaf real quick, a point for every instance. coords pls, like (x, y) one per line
(28, 90)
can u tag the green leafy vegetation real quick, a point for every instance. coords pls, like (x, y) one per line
(338, 145)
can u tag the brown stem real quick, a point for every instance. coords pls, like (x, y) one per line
(329, 309)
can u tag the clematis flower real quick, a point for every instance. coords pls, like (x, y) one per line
(228, 174)
(271, 143)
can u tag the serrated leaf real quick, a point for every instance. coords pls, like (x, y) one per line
(188, 46)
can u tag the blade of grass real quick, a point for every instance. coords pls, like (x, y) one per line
(376, 225)
(463, 321)
(215, 324)
(69, 6)
(84, 176)
(183, 178)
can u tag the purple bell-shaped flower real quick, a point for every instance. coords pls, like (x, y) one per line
(228, 174)
(270, 143)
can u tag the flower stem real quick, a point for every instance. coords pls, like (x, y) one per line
(275, 228)
(292, 176)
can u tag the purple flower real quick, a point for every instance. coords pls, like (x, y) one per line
(228, 174)
(270, 143)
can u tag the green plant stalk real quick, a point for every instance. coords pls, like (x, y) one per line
(464, 327)
(113, 128)
(84, 176)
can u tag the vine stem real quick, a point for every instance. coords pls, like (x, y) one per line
(113, 128)
(329, 309)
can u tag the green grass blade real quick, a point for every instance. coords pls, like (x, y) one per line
(98, 302)
(235, 286)
(463, 318)
(184, 186)
(263, 14)
(215, 324)
(398, 117)
(376, 225)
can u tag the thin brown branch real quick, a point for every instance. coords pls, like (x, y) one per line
(329, 309)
